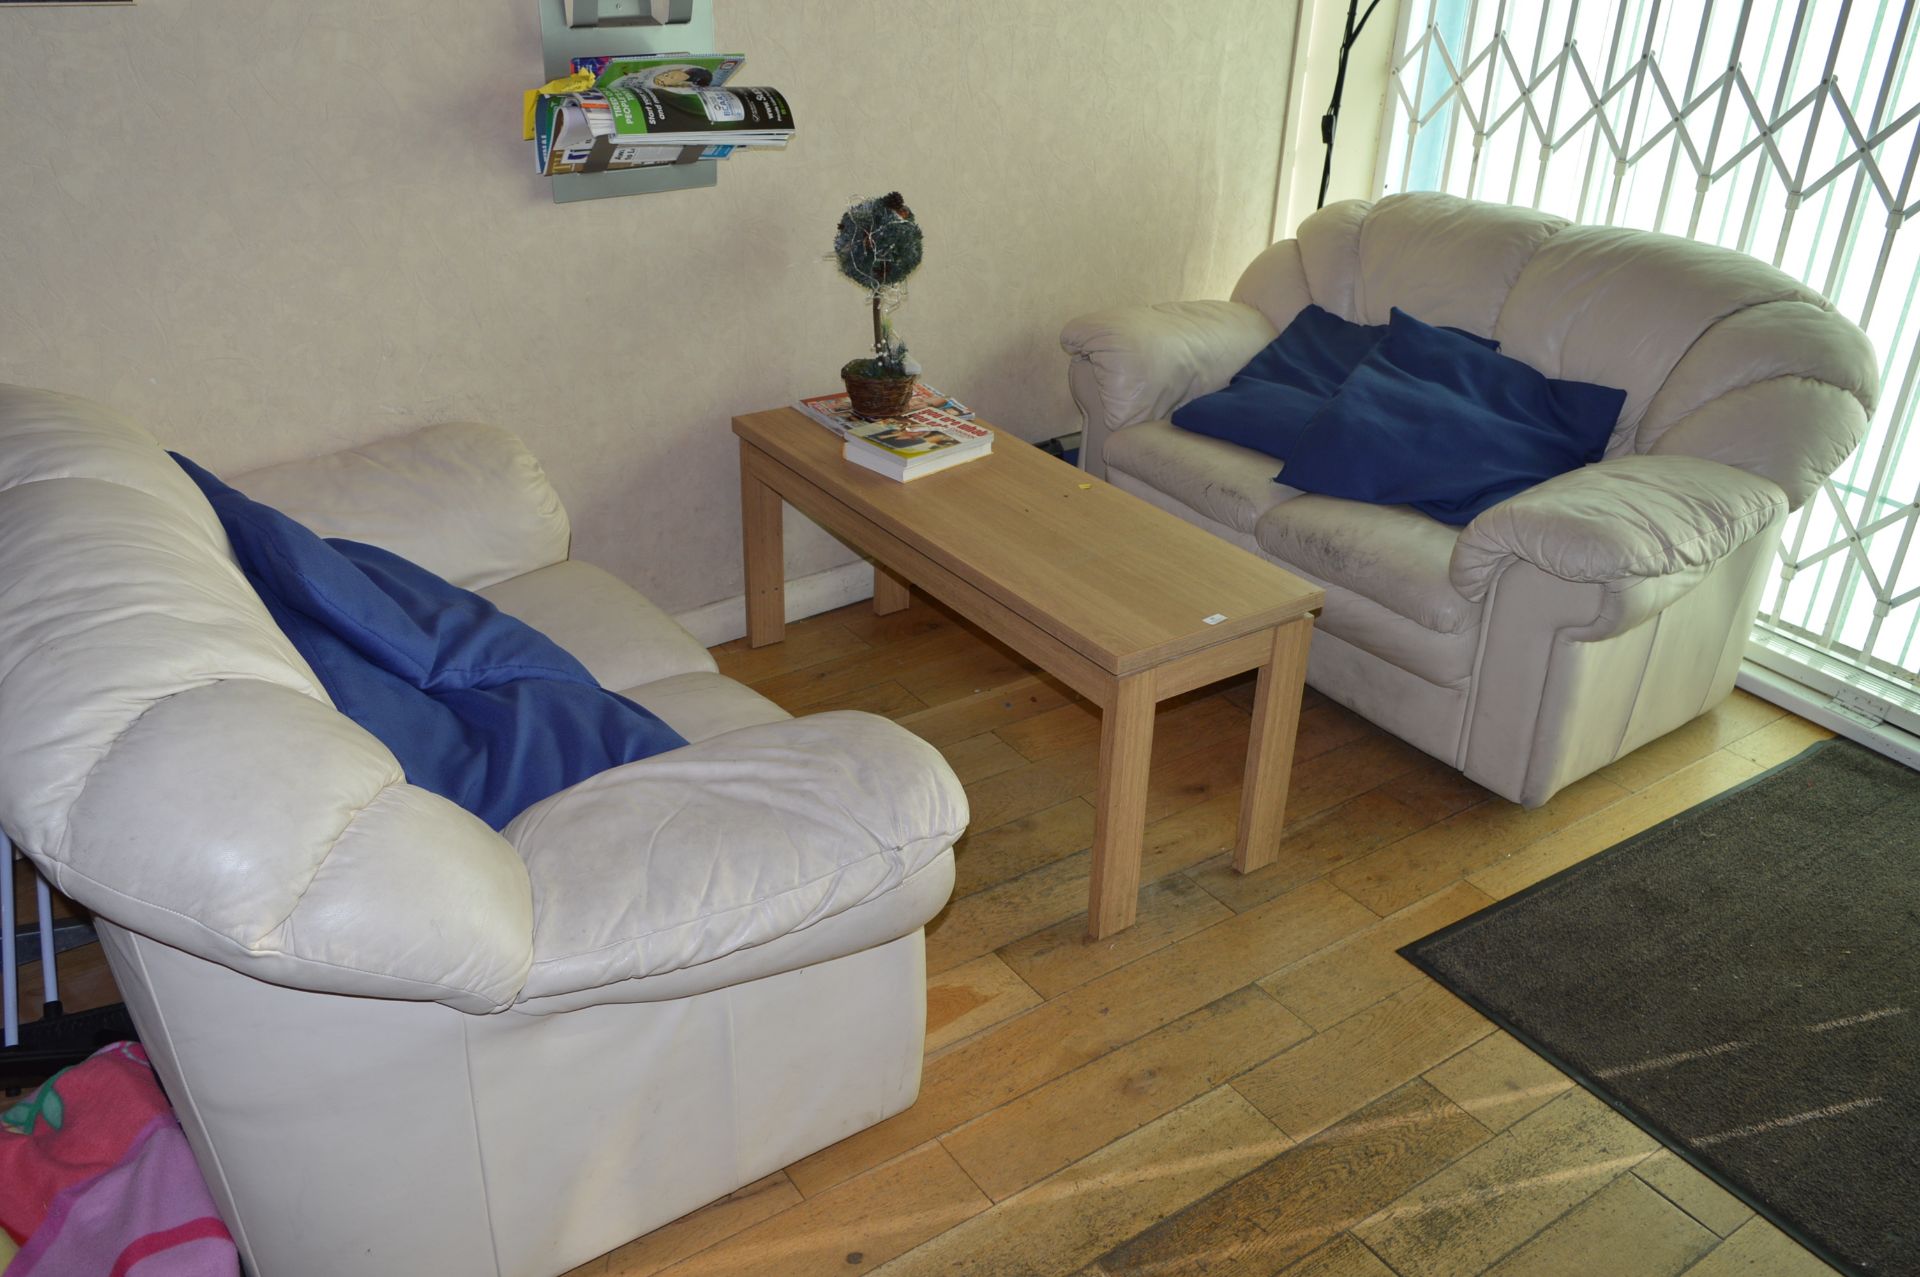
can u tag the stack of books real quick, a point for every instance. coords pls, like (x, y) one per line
(660, 109)
(934, 433)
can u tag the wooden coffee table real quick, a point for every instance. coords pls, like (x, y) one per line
(1121, 601)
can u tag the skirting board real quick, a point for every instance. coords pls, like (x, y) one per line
(726, 620)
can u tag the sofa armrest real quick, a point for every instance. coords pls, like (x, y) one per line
(730, 843)
(254, 826)
(1645, 529)
(462, 499)
(1139, 363)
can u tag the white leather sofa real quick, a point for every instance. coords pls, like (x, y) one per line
(1584, 617)
(402, 1043)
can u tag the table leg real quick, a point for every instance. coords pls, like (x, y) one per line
(766, 567)
(890, 593)
(1120, 815)
(1276, 721)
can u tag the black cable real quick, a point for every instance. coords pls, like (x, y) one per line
(1329, 122)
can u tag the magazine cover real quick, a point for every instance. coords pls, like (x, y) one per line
(677, 102)
(905, 472)
(667, 72)
(565, 139)
(836, 413)
(921, 434)
(646, 114)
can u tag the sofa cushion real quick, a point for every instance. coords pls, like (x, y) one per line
(1621, 307)
(1389, 553)
(1330, 255)
(478, 706)
(1440, 658)
(729, 844)
(462, 499)
(1225, 482)
(1384, 569)
(608, 626)
(701, 705)
(1448, 260)
(1275, 284)
(1275, 396)
(1767, 389)
(1436, 420)
(1319, 350)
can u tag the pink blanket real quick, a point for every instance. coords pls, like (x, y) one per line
(97, 1179)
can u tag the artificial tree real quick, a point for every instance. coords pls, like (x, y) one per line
(877, 245)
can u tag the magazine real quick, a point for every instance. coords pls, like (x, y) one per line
(920, 434)
(906, 474)
(653, 110)
(573, 133)
(665, 117)
(917, 443)
(667, 72)
(836, 413)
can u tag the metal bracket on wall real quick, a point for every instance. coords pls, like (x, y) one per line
(625, 27)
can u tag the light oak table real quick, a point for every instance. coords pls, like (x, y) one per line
(1121, 601)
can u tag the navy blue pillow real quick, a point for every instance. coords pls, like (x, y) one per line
(1439, 422)
(1271, 399)
(478, 706)
(1267, 416)
(1315, 352)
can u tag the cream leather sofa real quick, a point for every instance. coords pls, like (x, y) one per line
(1584, 617)
(401, 1043)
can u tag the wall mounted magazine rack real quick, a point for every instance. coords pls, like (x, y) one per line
(625, 27)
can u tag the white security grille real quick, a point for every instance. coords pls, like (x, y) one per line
(1787, 130)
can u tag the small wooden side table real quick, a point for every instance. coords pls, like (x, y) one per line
(1120, 600)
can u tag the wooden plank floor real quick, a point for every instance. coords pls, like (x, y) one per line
(1249, 1081)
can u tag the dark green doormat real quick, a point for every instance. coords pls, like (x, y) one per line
(1743, 981)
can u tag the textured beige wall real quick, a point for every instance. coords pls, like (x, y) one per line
(1363, 109)
(231, 244)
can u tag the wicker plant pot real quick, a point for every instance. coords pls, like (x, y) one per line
(878, 396)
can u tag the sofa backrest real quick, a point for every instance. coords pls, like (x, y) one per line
(1721, 356)
(169, 760)
(463, 499)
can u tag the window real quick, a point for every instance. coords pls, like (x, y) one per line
(1788, 129)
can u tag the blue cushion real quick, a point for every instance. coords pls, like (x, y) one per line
(479, 707)
(1439, 422)
(1266, 416)
(1271, 399)
(1315, 352)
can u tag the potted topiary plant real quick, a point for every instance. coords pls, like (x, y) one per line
(877, 246)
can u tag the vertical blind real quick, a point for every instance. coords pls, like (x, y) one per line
(1788, 129)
